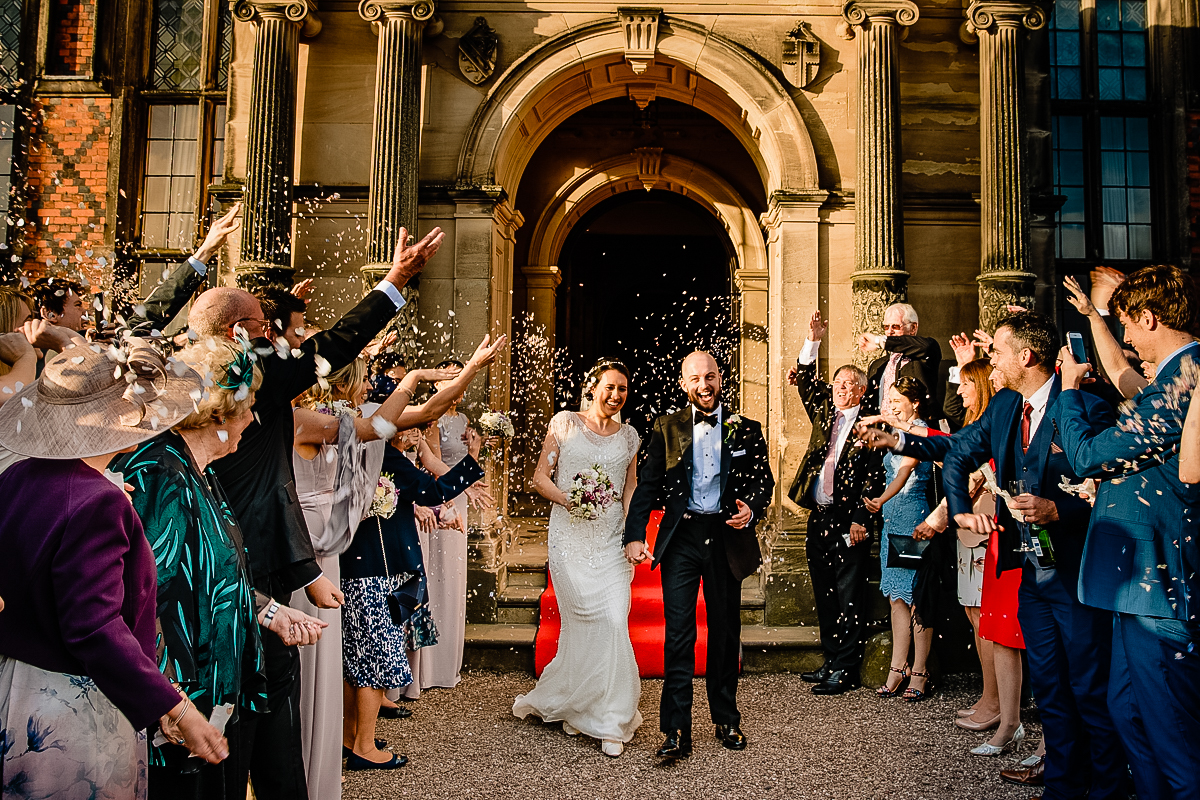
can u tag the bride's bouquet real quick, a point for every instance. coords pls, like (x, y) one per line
(591, 493)
(495, 423)
(384, 503)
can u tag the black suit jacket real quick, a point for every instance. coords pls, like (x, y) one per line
(259, 478)
(859, 471)
(665, 481)
(997, 435)
(167, 300)
(925, 360)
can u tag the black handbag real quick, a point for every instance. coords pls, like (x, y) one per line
(407, 598)
(905, 551)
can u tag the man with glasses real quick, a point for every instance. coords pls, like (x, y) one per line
(906, 355)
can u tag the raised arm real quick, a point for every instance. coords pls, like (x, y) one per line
(436, 406)
(1109, 352)
(21, 358)
(815, 394)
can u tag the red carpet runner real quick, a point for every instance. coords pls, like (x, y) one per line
(646, 627)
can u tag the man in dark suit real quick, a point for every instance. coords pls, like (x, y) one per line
(1142, 557)
(708, 470)
(1067, 642)
(906, 355)
(260, 483)
(831, 483)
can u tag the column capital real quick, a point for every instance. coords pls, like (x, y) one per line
(378, 10)
(542, 277)
(857, 13)
(984, 15)
(301, 12)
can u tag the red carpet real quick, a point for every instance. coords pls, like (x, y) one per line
(646, 627)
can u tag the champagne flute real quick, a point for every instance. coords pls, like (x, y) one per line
(1016, 488)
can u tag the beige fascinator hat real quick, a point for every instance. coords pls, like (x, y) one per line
(94, 399)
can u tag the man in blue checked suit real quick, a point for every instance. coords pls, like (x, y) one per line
(1067, 642)
(1141, 556)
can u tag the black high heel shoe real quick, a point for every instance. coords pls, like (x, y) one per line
(884, 691)
(358, 763)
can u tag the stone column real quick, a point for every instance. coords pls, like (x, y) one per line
(396, 138)
(266, 252)
(1005, 277)
(879, 276)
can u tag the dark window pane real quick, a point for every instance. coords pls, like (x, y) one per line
(1137, 133)
(1137, 171)
(178, 42)
(1114, 205)
(10, 42)
(1109, 49)
(1108, 15)
(1135, 84)
(1068, 83)
(1066, 15)
(1134, 49)
(1070, 129)
(1071, 242)
(1139, 205)
(1112, 168)
(1072, 210)
(1070, 168)
(224, 45)
(1112, 133)
(1115, 242)
(1110, 84)
(1133, 15)
(1066, 49)
(1139, 242)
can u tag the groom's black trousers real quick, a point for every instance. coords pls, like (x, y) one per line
(697, 550)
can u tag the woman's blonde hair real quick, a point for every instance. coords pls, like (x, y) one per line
(342, 384)
(231, 377)
(978, 372)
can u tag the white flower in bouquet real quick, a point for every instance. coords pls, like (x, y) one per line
(336, 408)
(496, 423)
(592, 491)
(384, 504)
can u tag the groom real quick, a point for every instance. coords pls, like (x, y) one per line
(708, 469)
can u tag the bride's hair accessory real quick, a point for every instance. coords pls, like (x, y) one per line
(602, 366)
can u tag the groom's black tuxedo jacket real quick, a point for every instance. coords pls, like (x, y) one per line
(665, 481)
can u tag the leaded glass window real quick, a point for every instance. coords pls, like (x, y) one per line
(1065, 34)
(169, 200)
(1067, 133)
(178, 44)
(10, 43)
(8, 121)
(1125, 187)
(1121, 49)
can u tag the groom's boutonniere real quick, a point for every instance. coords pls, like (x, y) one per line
(731, 426)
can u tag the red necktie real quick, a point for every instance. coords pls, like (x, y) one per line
(1025, 425)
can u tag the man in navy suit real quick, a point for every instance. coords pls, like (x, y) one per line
(1142, 556)
(1067, 642)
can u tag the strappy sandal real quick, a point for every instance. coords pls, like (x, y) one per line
(884, 691)
(912, 695)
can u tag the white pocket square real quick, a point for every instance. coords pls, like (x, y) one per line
(737, 453)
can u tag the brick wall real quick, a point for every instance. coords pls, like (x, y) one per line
(74, 38)
(67, 180)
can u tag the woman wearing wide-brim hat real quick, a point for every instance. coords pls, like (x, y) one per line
(78, 671)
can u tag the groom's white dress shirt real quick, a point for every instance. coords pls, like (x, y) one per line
(706, 465)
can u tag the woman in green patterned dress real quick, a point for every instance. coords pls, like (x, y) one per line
(208, 613)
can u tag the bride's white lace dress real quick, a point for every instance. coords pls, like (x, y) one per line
(592, 683)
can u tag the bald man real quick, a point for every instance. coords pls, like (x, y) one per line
(707, 468)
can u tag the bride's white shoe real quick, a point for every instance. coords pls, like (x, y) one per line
(612, 749)
(570, 730)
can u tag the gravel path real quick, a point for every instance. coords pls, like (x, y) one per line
(464, 742)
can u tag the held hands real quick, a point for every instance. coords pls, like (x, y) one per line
(295, 627)
(218, 233)
(1037, 510)
(324, 594)
(742, 518)
(637, 552)
(858, 533)
(1072, 373)
(409, 259)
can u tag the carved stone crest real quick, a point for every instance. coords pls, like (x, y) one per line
(477, 52)
(801, 56)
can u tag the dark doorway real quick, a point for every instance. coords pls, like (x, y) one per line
(647, 278)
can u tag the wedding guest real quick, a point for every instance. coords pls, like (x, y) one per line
(906, 355)
(904, 504)
(260, 484)
(954, 407)
(18, 364)
(373, 646)
(1142, 550)
(61, 302)
(832, 482)
(208, 614)
(77, 639)
(1114, 360)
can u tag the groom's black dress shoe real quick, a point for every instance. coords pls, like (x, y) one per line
(817, 675)
(677, 745)
(839, 681)
(731, 737)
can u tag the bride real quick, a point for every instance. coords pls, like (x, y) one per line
(592, 685)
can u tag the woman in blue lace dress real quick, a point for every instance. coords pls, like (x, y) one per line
(905, 504)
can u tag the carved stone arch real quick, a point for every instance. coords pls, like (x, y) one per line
(586, 65)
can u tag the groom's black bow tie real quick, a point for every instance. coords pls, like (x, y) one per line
(701, 417)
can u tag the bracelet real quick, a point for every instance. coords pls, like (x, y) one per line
(187, 703)
(271, 611)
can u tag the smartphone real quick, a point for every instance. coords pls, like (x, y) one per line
(1077, 347)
